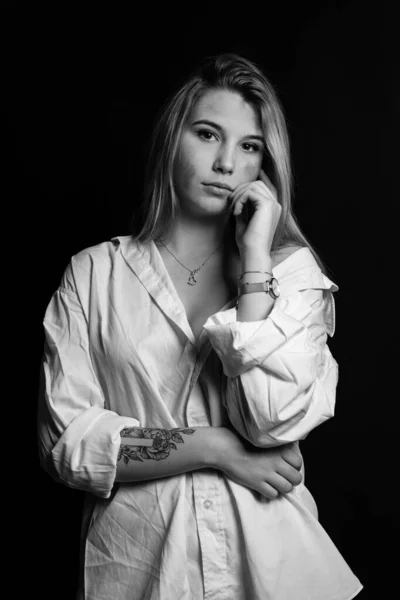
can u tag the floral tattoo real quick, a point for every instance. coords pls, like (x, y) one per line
(162, 442)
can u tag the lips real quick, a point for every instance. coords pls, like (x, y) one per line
(217, 190)
(218, 184)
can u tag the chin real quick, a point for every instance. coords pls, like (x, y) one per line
(210, 206)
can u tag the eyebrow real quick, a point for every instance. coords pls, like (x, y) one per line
(219, 128)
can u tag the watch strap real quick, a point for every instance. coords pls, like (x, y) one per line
(248, 288)
(270, 287)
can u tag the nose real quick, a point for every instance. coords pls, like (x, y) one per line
(225, 160)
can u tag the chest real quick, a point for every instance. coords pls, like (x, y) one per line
(215, 286)
(203, 301)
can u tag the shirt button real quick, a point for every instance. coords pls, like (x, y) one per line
(207, 504)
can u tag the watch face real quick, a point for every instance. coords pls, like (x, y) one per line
(274, 287)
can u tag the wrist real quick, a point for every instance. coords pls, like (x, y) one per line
(253, 258)
(255, 261)
(215, 447)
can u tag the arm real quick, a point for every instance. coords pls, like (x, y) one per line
(281, 377)
(256, 306)
(293, 390)
(80, 440)
(153, 453)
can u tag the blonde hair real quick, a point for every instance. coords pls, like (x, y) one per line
(159, 205)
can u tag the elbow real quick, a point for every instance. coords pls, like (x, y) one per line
(289, 421)
(270, 434)
(84, 455)
(257, 427)
(272, 412)
(47, 440)
(46, 463)
(70, 467)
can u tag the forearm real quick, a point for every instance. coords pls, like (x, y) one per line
(152, 453)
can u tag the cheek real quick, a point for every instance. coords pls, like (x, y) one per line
(185, 169)
(251, 171)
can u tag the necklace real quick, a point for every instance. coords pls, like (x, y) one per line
(191, 280)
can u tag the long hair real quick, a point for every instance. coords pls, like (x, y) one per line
(159, 205)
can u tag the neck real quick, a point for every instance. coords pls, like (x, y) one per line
(194, 239)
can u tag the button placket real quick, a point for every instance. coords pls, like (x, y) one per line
(210, 524)
(195, 412)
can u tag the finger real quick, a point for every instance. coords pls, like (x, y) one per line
(264, 177)
(238, 188)
(236, 193)
(268, 184)
(290, 473)
(255, 196)
(255, 188)
(257, 184)
(267, 490)
(292, 457)
(264, 189)
(249, 185)
(280, 483)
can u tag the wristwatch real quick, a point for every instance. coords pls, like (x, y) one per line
(270, 287)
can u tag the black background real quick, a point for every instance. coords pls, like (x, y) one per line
(81, 92)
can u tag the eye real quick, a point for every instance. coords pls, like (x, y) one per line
(205, 134)
(251, 147)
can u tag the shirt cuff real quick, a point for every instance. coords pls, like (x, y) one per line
(85, 456)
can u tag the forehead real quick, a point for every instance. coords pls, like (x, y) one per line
(228, 109)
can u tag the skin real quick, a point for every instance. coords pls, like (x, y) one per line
(152, 453)
(207, 154)
(228, 154)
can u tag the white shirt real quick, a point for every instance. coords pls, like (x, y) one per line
(120, 352)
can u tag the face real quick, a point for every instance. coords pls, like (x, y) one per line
(221, 143)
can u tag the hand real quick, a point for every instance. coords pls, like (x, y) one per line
(259, 232)
(269, 471)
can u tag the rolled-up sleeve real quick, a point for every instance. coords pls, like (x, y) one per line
(79, 439)
(281, 377)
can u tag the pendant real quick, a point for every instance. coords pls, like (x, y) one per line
(192, 280)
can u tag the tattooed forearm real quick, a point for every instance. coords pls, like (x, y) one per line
(149, 443)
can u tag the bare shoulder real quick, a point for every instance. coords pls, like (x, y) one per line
(283, 253)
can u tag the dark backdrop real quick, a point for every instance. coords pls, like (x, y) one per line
(81, 93)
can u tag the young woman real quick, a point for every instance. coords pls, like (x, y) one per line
(183, 364)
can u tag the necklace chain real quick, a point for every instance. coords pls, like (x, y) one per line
(191, 280)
